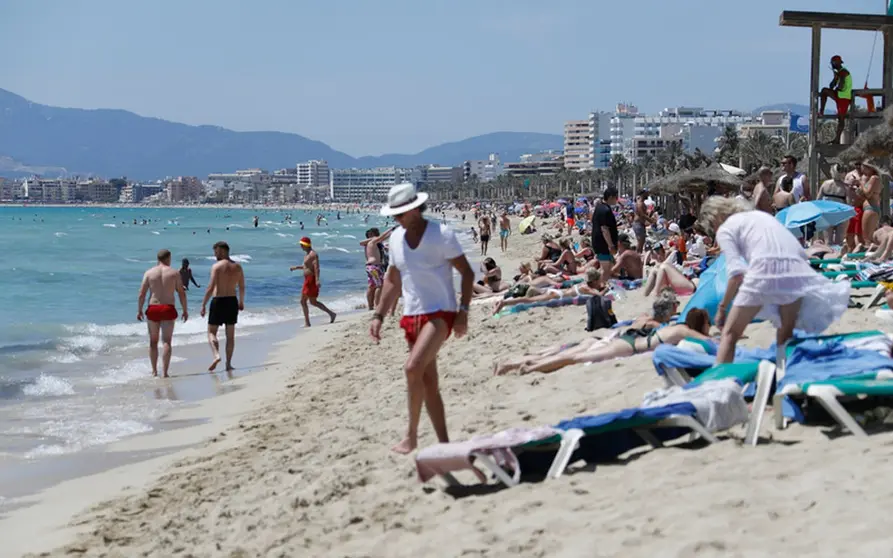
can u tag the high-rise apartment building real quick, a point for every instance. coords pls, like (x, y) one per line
(313, 174)
(576, 145)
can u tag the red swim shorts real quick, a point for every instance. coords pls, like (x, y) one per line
(412, 325)
(310, 289)
(843, 106)
(855, 226)
(161, 313)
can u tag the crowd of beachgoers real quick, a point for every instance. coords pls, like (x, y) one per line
(723, 300)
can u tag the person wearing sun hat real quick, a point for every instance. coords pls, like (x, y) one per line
(310, 289)
(423, 255)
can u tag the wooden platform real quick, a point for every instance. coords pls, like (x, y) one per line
(856, 22)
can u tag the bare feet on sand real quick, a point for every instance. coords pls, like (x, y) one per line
(404, 447)
(332, 316)
(214, 364)
(229, 367)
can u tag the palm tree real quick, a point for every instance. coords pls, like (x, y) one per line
(728, 146)
(619, 168)
(761, 149)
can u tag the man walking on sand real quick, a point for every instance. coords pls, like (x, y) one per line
(505, 229)
(423, 256)
(226, 277)
(312, 282)
(374, 266)
(163, 281)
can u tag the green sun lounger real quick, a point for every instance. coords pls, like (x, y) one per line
(828, 392)
(846, 272)
(820, 261)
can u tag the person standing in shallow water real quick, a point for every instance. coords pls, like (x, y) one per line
(163, 282)
(226, 277)
(186, 274)
(423, 255)
(312, 282)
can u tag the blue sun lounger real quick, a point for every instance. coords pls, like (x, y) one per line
(606, 436)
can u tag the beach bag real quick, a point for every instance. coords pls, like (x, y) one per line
(599, 313)
(516, 291)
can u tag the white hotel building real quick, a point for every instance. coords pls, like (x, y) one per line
(358, 185)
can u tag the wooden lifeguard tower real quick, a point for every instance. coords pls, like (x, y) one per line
(857, 122)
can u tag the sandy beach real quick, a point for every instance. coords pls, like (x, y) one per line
(298, 464)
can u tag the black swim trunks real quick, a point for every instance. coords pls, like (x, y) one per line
(224, 311)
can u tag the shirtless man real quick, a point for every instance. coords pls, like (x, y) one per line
(163, 281)
(641, 220)
(505, 229)
(629, 262)
(226, 276)
(374, 268)
(762, 192)
(484, 225)
(783, 197)
(312, 282)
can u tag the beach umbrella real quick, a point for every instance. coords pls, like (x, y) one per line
(525, 223)
(711, 289)
(823, 213)
(733, 170)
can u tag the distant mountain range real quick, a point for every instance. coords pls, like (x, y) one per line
(37, 138)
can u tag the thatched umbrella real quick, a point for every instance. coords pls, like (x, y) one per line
(700, 181)
(877, 142)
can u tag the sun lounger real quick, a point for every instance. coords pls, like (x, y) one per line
(496, 452)
(674, 363)
(825, 368)
(593, 438)
(667, 415)
(606, 436)
(842, 273)
(854, 256)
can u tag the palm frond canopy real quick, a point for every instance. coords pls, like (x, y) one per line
(877, 142)
(698, 181)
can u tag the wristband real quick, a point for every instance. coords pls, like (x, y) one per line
(463, 308)
(377, 316)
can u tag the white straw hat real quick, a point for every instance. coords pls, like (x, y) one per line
(403, 198)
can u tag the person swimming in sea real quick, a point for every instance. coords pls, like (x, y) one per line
(186, 274)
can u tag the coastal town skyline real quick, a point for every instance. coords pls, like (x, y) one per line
(440, 90)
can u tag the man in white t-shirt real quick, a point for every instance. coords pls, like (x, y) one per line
(801, 186)
(423, 255)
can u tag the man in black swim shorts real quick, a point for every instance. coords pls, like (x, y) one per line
(226, 277)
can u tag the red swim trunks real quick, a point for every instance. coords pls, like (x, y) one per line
(161, 313)
(310, 289)
(412, 325)
(843, 106)
(855, 226)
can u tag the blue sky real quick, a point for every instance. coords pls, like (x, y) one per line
(375, 76)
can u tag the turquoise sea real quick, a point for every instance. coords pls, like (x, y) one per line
(74, 374)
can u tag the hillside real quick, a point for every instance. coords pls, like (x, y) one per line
(120, 143)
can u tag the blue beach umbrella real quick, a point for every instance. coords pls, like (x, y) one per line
(823, 213)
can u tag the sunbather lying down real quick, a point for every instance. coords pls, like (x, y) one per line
(592, 286)
(630, 342)
(668, 275)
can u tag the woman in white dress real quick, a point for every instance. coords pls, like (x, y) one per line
(769, 276)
